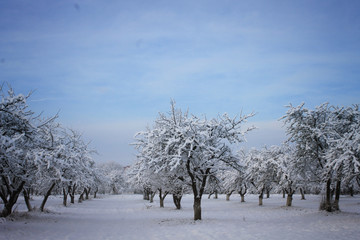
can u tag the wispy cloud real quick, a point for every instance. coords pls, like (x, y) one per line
(125, 59)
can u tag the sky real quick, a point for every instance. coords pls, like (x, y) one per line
(109, 67)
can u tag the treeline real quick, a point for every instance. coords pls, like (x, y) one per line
(183, 153)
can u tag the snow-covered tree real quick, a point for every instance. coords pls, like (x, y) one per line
(19, 144)
(308, 130)
(287, 177)
(194, 146)
(233, 180)
(344, 152)
(326, 146)
(151, 169)
(261, 169)
(115, 176)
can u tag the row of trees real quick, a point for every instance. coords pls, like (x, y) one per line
(181, 153)
(39, 156)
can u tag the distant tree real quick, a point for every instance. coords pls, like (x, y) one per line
(115, 175)
(213, 186)
(233, 180)
(261, 171)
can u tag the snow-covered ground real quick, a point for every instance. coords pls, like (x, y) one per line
(130, 217)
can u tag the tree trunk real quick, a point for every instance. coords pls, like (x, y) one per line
(177, 200)
(48, 193)
(87, 192)
(328, 206)
(290, 198)
(95, 192)
(261, 196)
(337, 195)
(228, 195)
(81, 197)
(242, 193)
(267, 193)
(146, 194)
(242, 197)
(152, 195)
(351, 191)
(8, 204)
(216, 194)
(283, 192)
(161, 202)
(72, 198)
(197, 208)
(302, 192)
(26, 193)
(65, 195)
(162, 197)
(72, 193)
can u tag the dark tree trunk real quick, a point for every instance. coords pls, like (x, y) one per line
(289, 197)
(72, 193)
(328, 206)
(26, 193)
(337, 195)
(268, 190)
(162, 197)
(48, 193)
(289, 200)
(9, 203)
(216, 194)
(177, 200)
(146, 194)
(65, 195)
(197, 191)
(197, 208)
(283, 192)
(95, 192)
(302, 192)
(351, 191)
(87, 192)
(81, 197)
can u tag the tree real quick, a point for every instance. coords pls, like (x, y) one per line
(19, 143)
(287, 177)
(310, 132)
(195, 146)
(151, 170)
(344, 154)
(261, 170)
(233, 180)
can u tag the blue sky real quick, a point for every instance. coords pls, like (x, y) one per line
(111, 66)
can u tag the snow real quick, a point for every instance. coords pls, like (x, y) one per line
(130, 217)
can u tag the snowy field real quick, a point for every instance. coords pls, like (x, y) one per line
(130, 217)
